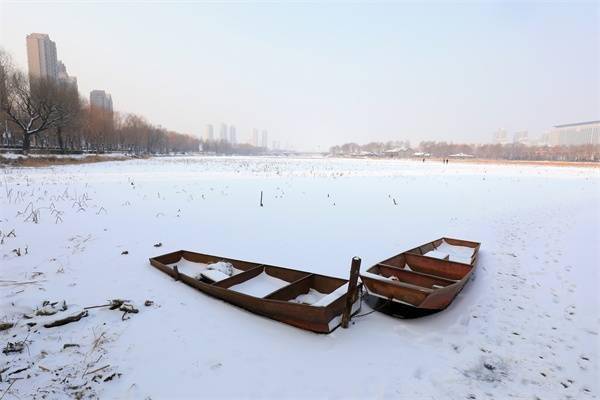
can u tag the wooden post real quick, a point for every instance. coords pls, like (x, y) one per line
(351, 294)
(176, 270)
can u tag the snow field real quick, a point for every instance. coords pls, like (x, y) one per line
(525, 326)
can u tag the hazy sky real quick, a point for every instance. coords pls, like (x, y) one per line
(321, 74)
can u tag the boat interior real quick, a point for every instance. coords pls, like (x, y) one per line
(257, 280)
(414, 275)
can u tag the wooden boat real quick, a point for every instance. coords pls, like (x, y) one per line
(302, 299)
(422, 280)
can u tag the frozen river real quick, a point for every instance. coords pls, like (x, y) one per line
(527, 325)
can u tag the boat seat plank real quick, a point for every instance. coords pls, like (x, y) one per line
(288, 289)
(448, 280)
(239, 278)
(396, 283)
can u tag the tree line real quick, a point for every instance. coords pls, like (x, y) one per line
(512, 151)
(51, 115)
(515, 151)
(224, 147)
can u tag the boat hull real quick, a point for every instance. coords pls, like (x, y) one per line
(412, 284)
(316, 319)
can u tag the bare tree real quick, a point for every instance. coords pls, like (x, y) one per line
(68, 110)
(5, 67)
(31, 107)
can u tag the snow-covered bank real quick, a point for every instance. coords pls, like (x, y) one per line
(526, 326)
(45, 160)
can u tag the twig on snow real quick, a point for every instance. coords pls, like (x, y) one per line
(7, 389)
(97, 370)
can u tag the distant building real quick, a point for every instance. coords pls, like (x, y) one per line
(579, 133)
(101, 100)
(41, 57)
(63, 76)
(521, 137)
(61, 71)
(254, 141)
(223, 133)
(210, 132)
(42, 60)
(544, 139)
(397, 152)
(232, 135)
(264, 139)
(500, 137)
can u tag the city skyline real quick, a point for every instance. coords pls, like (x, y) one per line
(42, 63)
(459, 80)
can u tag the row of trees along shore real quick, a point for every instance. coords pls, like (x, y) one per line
(513, 151)
(51, 115)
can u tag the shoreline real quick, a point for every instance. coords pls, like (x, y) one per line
(43, 160)
(47, 160)
(549, 163)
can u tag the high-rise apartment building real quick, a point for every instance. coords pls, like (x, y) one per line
(223, 133)
(264, 139)
(41, 57)
(99, 99)
(63, 76)
(232, 135)
(500, 137)
(521, 137)
(210, 132)
(42, 60)
(254, 140)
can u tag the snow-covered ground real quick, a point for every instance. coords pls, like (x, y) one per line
(527, 326)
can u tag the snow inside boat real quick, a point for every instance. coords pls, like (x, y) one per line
(302, 299)
(422, 280)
